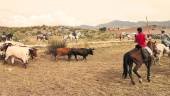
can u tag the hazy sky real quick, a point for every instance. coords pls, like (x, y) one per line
(77, 12)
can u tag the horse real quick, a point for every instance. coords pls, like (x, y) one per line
(7, 37)
(72, 37)
(162, 49)
(42, 37)
(126, 35)
(135, 56)
(3, 38)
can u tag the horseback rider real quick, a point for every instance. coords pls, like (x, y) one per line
(165, 39)
(74, 34)
(3, 34)
(140, 39)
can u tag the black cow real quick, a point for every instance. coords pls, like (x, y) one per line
(82, 52)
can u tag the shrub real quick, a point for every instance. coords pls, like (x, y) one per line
(19, 36)
(54, 44)
(103, 29)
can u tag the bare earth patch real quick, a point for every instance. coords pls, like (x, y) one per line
(100, 75)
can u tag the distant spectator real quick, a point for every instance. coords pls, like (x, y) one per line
(165, 38)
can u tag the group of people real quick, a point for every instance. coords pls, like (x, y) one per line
(140, 39)
(144, 53)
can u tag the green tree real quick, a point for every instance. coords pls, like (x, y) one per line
(102, 29)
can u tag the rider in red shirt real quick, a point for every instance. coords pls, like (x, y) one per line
(140, 39)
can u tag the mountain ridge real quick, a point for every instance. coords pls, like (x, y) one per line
(124, 24)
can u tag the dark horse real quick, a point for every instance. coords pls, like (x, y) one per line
(5, 37)
(135, 56)
(9, 36)
(42, 37)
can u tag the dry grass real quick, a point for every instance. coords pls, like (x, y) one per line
(100, 75)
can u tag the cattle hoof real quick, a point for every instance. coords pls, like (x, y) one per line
(149, 80)
(25, 66)
(140, 80)
(133, 83)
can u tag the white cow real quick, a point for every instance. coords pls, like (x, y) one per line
(15, 43)
(21, 53)
(161, 50)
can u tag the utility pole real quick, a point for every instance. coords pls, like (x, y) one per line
(149, 33)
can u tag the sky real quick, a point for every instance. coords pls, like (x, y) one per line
(80, 12)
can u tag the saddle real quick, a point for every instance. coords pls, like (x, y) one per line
(144, 53)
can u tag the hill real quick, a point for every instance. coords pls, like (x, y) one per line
(127, 24)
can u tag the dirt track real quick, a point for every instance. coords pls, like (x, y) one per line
(100, 75)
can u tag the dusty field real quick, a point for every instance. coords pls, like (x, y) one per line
(100, 75)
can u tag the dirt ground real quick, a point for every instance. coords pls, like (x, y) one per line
(100, 75)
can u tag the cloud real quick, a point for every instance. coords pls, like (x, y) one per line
(58, 18)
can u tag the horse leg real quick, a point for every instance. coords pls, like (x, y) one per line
(130, 73)
(135, 70)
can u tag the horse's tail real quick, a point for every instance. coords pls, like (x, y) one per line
(126, 61)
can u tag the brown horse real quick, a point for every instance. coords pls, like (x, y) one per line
(135, 56)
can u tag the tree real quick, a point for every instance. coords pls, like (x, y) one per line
(102, 29)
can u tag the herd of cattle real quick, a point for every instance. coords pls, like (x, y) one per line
(84, 52)
(12, 51)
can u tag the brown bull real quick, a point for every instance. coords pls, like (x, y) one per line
(62, 52)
